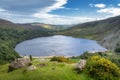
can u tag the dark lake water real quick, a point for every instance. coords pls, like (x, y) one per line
(57, 45)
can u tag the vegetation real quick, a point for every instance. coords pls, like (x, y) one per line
(100, 66)
(60, 59)
(51, 71)
(86, 55)
(97, 68)
(9, 37)
(115, 58)
(117, 50)
(102, 69)
(105, 31)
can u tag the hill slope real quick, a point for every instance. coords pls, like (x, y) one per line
(43, 26)
(105, 31)
(11, 34)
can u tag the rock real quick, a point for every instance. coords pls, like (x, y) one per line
(19, 63)
(31, 68)
(42, 65)
(81, 65)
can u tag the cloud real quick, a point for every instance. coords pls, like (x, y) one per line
(100, 5)
(58, 19)
(38, 11)
(75, 9)
(91, 5)
(25, 6)
(44, 13)
(119, 4)
(67, 20)
(113, 11)
(58, 5)
(2, 10)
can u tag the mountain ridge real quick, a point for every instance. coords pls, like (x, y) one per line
(106, 32)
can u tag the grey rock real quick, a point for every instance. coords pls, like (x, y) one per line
(81, 65)
(19, 63)
(31, 68)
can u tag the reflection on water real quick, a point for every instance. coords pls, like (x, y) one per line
(57, 45)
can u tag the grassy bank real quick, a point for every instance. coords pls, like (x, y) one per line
(53, 70)
(50, 71)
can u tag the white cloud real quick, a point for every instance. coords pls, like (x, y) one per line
(57, 19)
(100, 5)
(76, 9)
(43, 15)
(119, 4)
(91, 5)
(113, 11)
(67, 20)
(1, 10)
(58, 5)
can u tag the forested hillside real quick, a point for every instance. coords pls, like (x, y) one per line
(11, 34)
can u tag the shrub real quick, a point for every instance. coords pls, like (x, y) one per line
(86, 55)
(59, 59)
(117, 50)
(116, 61)
(102, 69)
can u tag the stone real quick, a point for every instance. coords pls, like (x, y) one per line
(81, 65)
(42, 65)
(19, 63)
(31, 68)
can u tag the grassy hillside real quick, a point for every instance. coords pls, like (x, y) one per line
(43, 26)
(106, 31)
(51, 71)
(11, 34)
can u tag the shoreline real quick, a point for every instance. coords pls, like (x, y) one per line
(37, 57)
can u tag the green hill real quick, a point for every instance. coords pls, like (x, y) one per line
(105, 31)
(43, 26)
(11, 34)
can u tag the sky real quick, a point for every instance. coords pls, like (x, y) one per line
(63, 12)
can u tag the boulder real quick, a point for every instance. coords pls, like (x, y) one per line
(42, 65)
(31, 68)
(19, 63)
(81, 65)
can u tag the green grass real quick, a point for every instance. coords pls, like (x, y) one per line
(52, 71)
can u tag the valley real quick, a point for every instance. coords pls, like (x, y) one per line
(106, 32)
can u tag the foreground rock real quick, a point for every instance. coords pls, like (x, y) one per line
(31, 68)
(80, 65)
(19, 63)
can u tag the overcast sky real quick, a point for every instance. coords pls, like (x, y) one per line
(58, 11)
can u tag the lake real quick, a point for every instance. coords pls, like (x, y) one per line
(57, 45)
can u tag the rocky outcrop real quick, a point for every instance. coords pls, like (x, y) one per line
(19, 63)
(112, 40)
